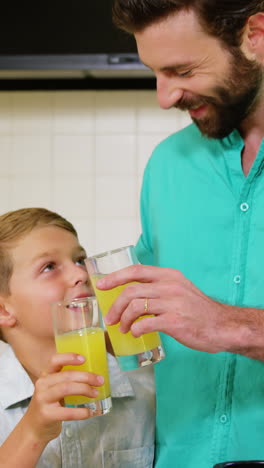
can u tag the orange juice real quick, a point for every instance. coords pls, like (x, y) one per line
(90, 343)
(123, 344)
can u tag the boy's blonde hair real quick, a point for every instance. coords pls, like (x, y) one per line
(16, 224)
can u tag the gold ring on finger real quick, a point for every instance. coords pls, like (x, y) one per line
(146, 306)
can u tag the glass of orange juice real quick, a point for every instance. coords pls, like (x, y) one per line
(141, 351)
(78, 330)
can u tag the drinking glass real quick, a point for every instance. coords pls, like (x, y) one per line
(77, 329)
(141, 351)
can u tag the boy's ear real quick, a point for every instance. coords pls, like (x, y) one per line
(7, 319)
(253, 38)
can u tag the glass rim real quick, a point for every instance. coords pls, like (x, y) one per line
(109, 252)
(75, 301)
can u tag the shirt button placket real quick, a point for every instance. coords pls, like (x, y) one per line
(244, 207)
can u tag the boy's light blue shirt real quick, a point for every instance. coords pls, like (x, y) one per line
(202, 216)
(122, 439)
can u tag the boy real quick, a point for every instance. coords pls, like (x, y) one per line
(41, 261)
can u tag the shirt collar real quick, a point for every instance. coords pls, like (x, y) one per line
(16, 386)
(233, 140)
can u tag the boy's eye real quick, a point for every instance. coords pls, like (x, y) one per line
(48, 267)
(80, 261)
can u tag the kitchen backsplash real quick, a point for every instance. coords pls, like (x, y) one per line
(82, 154)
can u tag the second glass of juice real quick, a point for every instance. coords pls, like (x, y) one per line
(144, 350)
(77, 329)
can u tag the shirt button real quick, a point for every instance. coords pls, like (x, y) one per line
(237, 279)
(223, 418)
(68, 432)
(244, 207)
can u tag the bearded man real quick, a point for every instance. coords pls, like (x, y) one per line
(202, 241)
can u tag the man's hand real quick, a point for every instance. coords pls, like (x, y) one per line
(177, 308)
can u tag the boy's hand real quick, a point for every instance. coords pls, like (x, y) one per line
(46, 411)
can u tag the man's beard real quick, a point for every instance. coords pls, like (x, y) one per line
(234, 101)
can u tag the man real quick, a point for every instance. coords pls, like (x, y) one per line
(202, 239)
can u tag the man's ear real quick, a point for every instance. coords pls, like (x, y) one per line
(7, 319)
(253, 38)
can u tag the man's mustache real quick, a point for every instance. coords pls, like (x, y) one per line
(194, 103)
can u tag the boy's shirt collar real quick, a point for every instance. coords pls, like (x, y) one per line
(16, 386)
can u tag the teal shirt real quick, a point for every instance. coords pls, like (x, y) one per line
(202, 216)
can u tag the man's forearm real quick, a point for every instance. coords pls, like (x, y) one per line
(246, 328)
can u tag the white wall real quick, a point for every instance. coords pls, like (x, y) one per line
(82, 154)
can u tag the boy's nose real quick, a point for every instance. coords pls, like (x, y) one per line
(77, 274)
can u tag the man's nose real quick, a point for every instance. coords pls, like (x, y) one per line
(168, 92)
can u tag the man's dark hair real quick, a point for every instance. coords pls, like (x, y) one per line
(224, 19)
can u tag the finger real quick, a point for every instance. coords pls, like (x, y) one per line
(59, 360)
(130, 294)
(64, 413)
(157, 323)
(130, 300)
(141, 273)
(144, 325)
(58, 392)
(136, 313)
(71, 376)
(133, 312)
(74, 388)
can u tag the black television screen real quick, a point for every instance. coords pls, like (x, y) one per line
(67, 40)
(61, 27)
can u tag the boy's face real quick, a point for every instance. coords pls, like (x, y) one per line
(48, 267)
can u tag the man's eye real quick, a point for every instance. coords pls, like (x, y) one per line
(184, 74)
